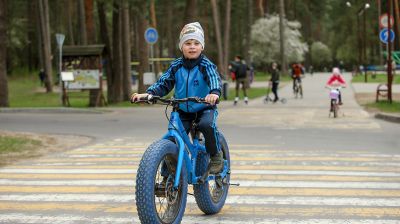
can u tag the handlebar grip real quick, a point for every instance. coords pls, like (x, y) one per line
(148, 99)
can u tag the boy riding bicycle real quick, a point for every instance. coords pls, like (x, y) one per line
(193, 75)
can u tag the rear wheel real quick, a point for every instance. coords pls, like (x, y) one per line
(335, 110)
(156, 199)
(211, 195)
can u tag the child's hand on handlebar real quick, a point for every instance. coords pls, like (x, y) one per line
(212, 98)
(135, 97)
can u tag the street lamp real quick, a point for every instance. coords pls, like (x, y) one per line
(362, 46)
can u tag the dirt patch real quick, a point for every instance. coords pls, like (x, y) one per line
(49, 144)
(365, 98)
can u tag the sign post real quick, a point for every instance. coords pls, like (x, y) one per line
(60, 40)
(151, 37)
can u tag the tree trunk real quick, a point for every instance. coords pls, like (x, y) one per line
(260, 6)
(248, 31)
(45, 40)
(82, 23)
(396, 13)
(117, 55)
(282, 35)
(214, 7)
(227, 38)
(89, 22)
(156, 46)
(94, 94)
(170, 40)
(107, 51)
(32, 15)
(70, 34)
(3, 55)
(143, 48)
(190, 12)
(126, 53)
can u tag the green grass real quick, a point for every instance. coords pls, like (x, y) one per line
(25, 91)
(10, 144)
(385, 106)
(263, 76)
(251, 93)
(378, 78)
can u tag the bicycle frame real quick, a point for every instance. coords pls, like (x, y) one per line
(177, 131)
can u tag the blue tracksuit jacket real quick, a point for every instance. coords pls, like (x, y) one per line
(197, 77)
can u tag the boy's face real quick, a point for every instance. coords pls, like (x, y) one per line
(192, 49)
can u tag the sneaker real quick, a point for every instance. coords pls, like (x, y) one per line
(216, 163)
(340, 103)
(236, 101)
(246, 100)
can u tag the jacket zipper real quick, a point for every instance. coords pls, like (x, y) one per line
(187, 89)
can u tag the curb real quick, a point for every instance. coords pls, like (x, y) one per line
(388, 117)
(52, 110)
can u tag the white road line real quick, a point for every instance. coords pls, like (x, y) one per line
(314, 172)
(19, 218)
(64, 171)
(268, 172)
(236, 199)
(284, 184)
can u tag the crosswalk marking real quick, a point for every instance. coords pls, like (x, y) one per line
(351, 170)
(234, 199)
(234, 176)
(17, 218)
(275, 185)
(299, 184)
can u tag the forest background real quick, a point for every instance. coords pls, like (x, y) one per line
(330, 32)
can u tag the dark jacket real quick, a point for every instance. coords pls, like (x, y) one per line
(240, 70)
(198, 77)
(275, 75)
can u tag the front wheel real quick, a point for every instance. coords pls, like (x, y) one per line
(156, 199)
(211, 195)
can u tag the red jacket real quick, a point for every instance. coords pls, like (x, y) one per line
(334, 78)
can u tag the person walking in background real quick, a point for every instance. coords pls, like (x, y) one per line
(42, 77)
(275, 76)
(240, 69)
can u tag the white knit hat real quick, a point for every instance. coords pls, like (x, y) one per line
(336, 71)
(191, 31)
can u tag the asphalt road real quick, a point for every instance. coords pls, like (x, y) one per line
(294, 163)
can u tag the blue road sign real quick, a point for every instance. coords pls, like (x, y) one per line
(384, 35)
(151, 35)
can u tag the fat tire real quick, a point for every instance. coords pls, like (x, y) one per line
(202, 192)
(145, 182)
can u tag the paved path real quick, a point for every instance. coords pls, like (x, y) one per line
(311, 111)
(295, 165)
(95, 184)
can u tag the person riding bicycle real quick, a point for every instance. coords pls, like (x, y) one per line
(335, 80)
(297, 71)
(194, 75)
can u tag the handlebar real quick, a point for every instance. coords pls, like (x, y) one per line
(151, 99)
(335, 87)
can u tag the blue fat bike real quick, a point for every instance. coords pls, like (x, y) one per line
(171, 163)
